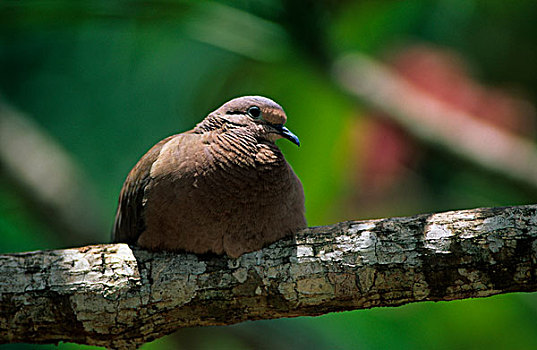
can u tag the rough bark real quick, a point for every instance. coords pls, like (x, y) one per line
(121, 297)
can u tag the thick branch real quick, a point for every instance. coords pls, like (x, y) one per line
(113, 296)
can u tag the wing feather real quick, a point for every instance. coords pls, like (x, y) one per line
(130, 222)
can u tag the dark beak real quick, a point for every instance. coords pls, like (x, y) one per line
(286, 133)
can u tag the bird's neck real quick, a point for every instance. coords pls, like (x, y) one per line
(210, 123)
(245, 149)
(242, 145)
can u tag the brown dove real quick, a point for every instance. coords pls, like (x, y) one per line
(222, 187)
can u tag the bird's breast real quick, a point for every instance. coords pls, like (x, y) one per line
(230, 166)
(209, 196)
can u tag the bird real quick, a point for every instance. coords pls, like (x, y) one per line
(223, 187)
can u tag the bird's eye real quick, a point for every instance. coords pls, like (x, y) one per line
(254, 112)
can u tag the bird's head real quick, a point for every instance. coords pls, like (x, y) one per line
(259, 115)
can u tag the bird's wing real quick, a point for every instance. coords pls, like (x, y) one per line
(129, 222)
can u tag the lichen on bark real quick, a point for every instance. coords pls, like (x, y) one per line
(120, 297)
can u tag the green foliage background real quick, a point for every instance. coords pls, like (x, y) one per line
(108, 79)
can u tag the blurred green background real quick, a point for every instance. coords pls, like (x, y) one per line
(108, 79)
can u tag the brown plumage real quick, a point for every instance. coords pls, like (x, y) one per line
(222, 187)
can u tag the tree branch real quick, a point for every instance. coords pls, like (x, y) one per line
(47, 176)
(115, 296)
(432, 121)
